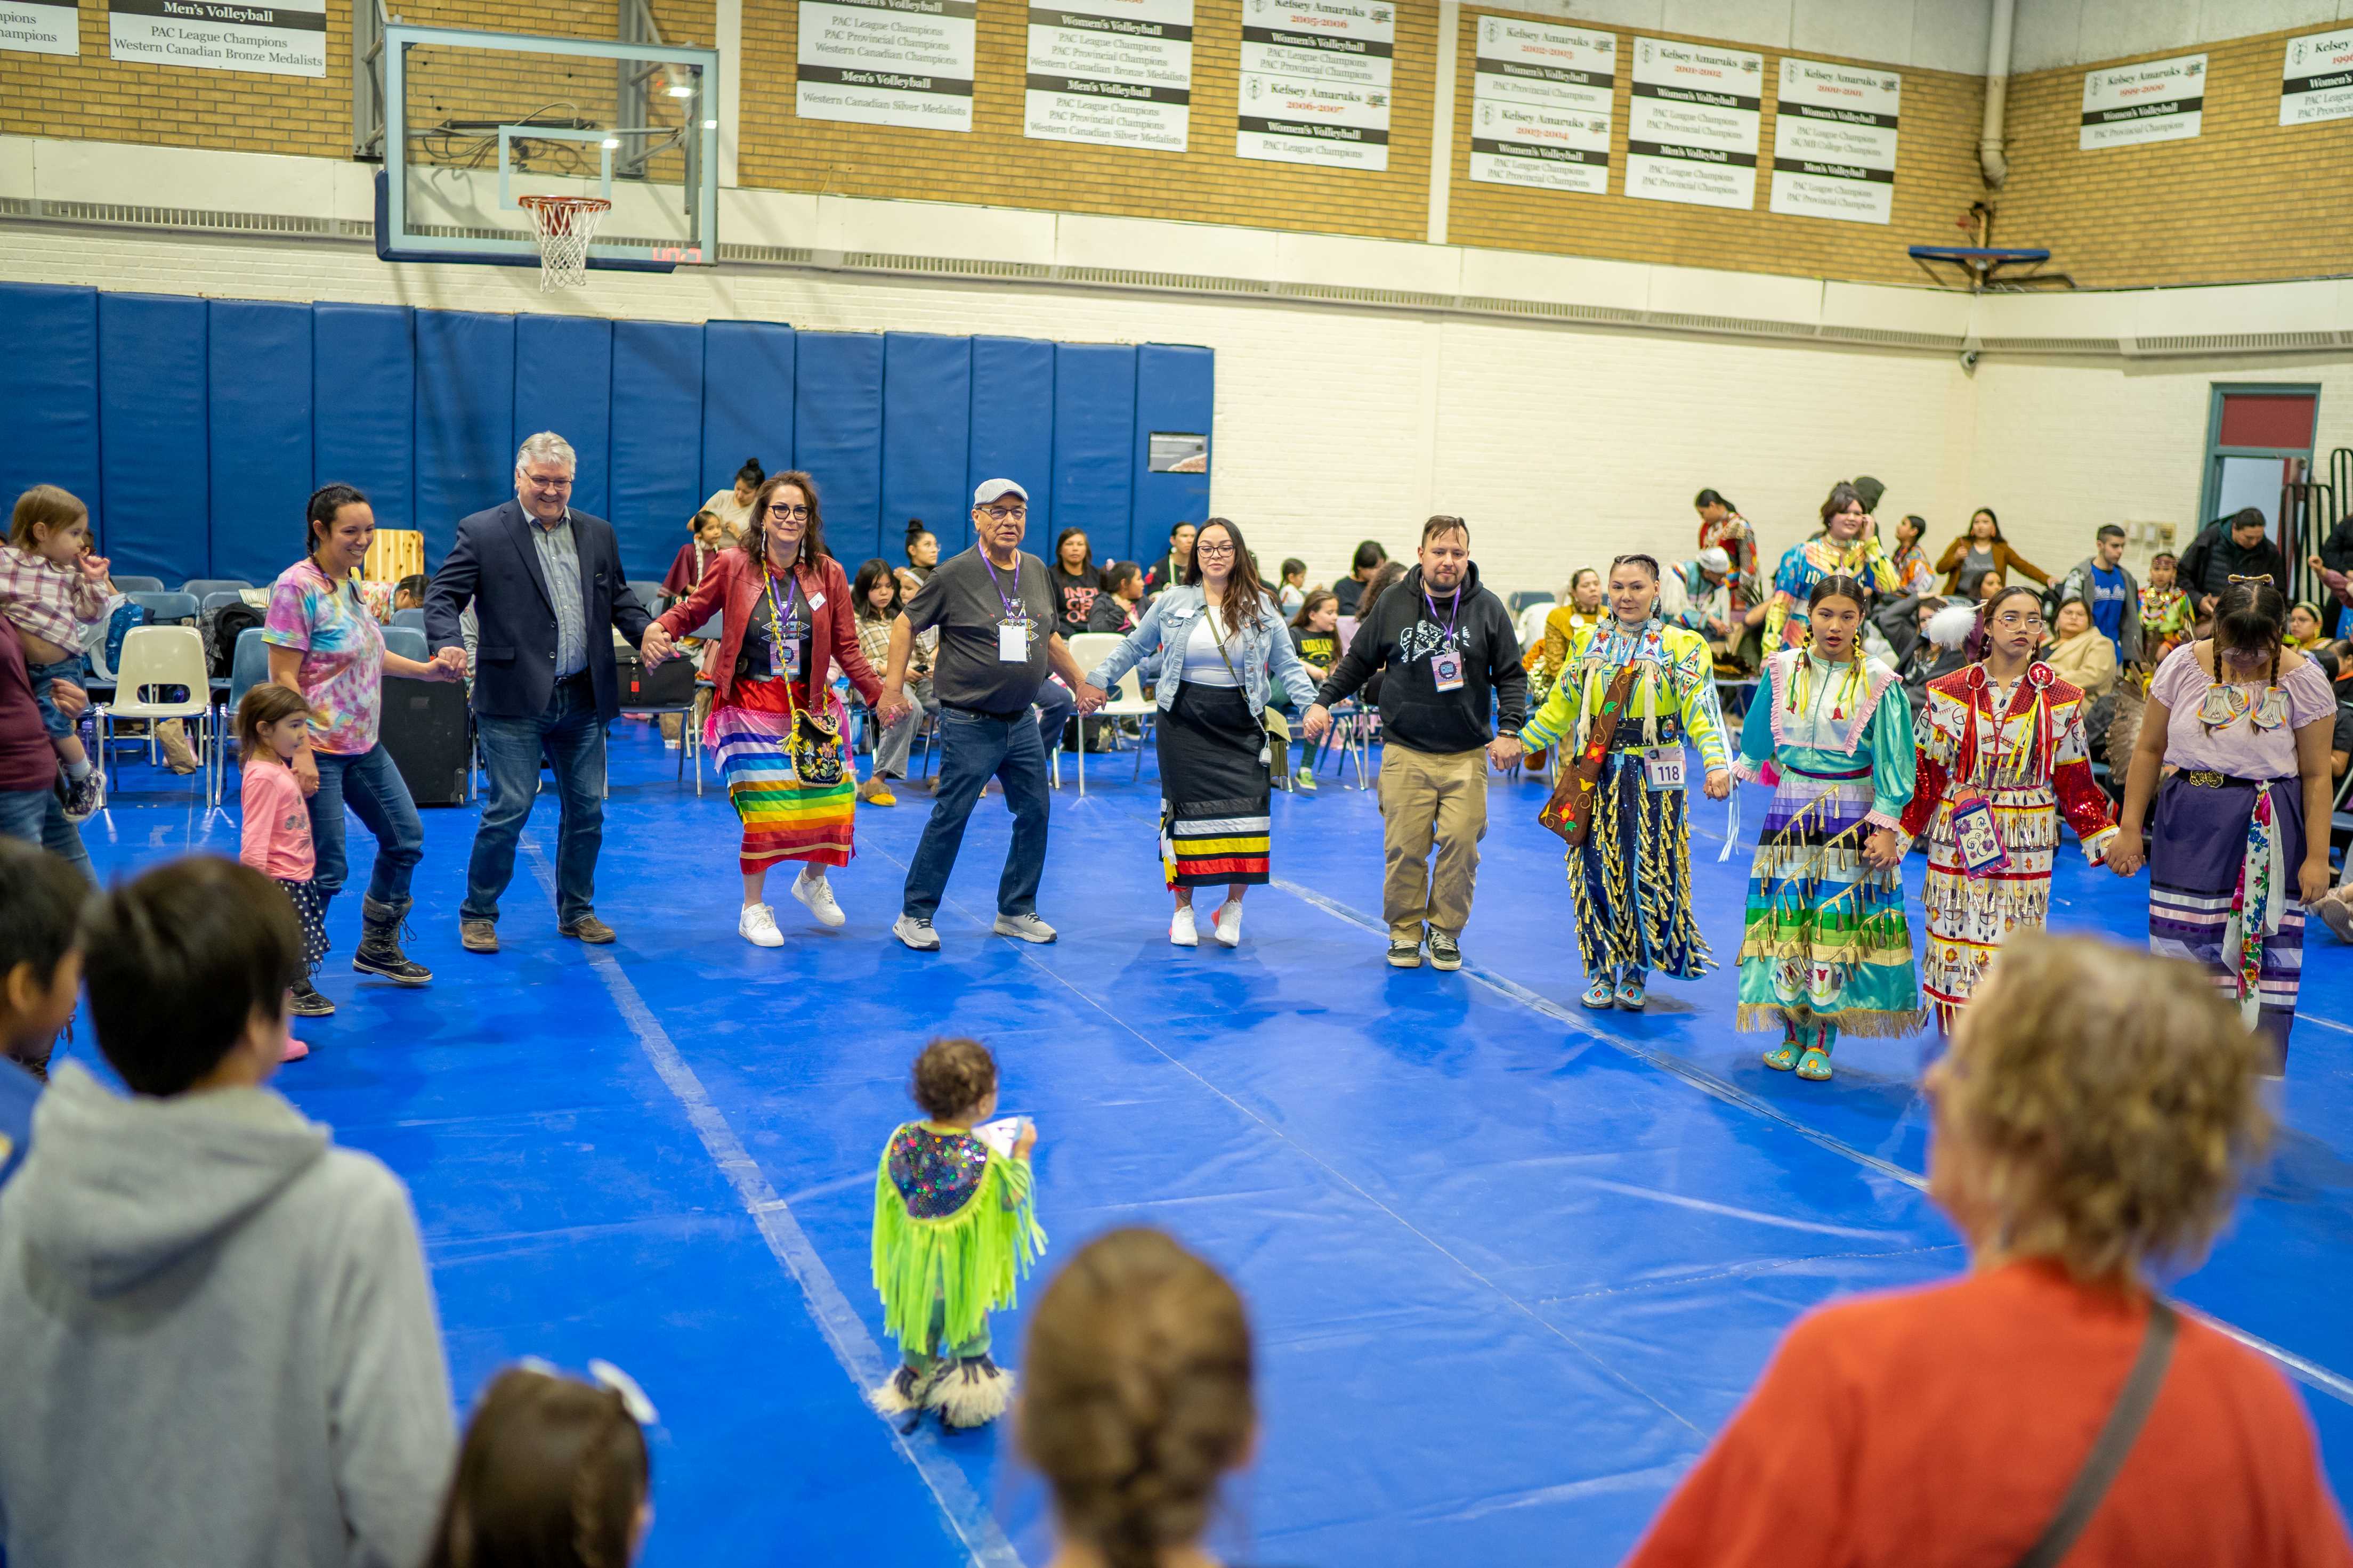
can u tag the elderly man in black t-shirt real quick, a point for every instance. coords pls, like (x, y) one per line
(996, 611)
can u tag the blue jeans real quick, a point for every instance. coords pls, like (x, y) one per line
(573, 738)
(1056, 704)
(973, 747)
(74, 671)
(38, 817)
(370, 783)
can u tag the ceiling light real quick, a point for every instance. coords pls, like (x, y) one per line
(611, 143)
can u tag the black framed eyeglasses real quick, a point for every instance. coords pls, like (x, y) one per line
(787, 509)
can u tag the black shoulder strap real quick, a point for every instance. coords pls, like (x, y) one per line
(2114, 1442)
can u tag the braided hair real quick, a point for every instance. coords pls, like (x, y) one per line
(553, 1474)
(2251, 612)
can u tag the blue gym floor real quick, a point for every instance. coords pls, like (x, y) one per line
(1511, 1263)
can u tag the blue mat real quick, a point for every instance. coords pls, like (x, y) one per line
(1511, 1264)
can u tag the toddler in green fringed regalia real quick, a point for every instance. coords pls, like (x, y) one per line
(955, 1228)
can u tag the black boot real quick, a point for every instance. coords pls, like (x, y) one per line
(379, 949)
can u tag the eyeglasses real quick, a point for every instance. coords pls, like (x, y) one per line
(1005, 513)
(787, 509)
(2013, 620)
(1213, 550)
(537, 483)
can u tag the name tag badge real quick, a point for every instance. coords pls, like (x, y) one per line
(817, 601)
(791, 653)
(1446, 670)
(1012, 643)
(1662, 767)
(1975, 839)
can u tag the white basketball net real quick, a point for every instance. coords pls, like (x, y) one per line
(566, 226)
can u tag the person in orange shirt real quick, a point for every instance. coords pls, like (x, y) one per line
(2095, 1118)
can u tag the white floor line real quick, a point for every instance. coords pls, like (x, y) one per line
(2335, 1384)
(844, 1332)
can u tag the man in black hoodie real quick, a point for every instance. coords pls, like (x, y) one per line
(1449, 648)
(2234, 546)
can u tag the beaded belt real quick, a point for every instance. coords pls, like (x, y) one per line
(2207, 778)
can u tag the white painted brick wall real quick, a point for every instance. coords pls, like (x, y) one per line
(1561, 445)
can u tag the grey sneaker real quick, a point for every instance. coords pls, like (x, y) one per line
(916, 934)
(1404, 952)
(1028, 928)
(1445, 952)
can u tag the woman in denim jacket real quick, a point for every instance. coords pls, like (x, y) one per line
(1212, 641)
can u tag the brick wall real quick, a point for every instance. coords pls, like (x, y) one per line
(995, 164)
(1936, 180)
(2247, 200)
(97, 97)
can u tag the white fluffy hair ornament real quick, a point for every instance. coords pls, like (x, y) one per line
(1951, 626)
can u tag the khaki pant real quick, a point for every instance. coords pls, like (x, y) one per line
(1426, 798)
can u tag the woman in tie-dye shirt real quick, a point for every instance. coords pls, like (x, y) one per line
(325, 646)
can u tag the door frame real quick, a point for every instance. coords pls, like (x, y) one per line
(2209, 482)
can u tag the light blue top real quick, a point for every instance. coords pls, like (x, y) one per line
(1830, 719)
(1255, 648)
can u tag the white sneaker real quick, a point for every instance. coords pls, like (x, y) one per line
(1228, 922)
(1028, 928)
(757, 926)
(917, 934)
(817, 892)
(1182, 932)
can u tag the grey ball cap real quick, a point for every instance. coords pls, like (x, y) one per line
(988, 490)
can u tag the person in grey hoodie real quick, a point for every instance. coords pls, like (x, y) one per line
(217, 1343)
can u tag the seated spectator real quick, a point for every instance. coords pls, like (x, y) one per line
(218, 1335)
(1114, 607)
(1137, 1400)
(2080, 653)
(1988, 585)
(1941, 633)
(2095, 1117)
(706, 536)
(2304, 630)
(875, 596)
(553, 1474)
(1293, 593)
(408, 594)
(1362, 566)
(41, 972)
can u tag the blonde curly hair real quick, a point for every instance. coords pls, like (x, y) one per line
(2110, 1103)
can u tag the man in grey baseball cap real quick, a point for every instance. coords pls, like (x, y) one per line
(993, 607)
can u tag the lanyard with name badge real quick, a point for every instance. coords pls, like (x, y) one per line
(1446, 662)
(784, 631)
(1013, 631)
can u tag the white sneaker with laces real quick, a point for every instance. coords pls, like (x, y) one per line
(1228, 924)
(817, 892)
(757, 926)
(916, 934)
(1028, 928)
(1182, 932)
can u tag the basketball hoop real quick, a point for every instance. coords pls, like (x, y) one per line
(566, 226)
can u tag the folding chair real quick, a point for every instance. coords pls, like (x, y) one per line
(1088, 650)
(155, 658)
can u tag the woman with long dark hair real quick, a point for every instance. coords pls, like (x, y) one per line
(325, 648)
(1218, 638)
(2240, 724)
(732, 506)
(1826, 950)
(1980, 550)
(1076, 582)
(774, 725)
(1721, 527)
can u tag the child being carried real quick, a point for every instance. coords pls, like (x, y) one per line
(53, 591)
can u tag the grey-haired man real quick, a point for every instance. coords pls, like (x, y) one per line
(995, 608)
(546, 587)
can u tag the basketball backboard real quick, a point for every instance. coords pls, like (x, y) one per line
(473, 122)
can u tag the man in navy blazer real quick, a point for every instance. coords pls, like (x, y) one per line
(546, 587)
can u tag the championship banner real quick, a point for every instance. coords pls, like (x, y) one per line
(1691, 132)
(1540, 105)
(1115, 73)
(2157, 100)
(287, 39)
(1834, 141)
(887, 62)
(1315, 82)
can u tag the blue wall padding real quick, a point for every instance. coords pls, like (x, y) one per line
(197, 429)
(465, 420)
(1175, 390)
(564, 382)
(926, 427)
(260, 434)
(657, 439)
(747, 399)
(838, 434)
(1094, 441)
(1012, 433)
(364, 413)
(153, 455)
(48, 394)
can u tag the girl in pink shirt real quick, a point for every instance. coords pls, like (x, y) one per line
(270, 725)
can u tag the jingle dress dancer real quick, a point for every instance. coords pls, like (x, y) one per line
(1826, 950)
(2002, 758)
(1844, 548)
(2239, 848)
(1630, 877)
